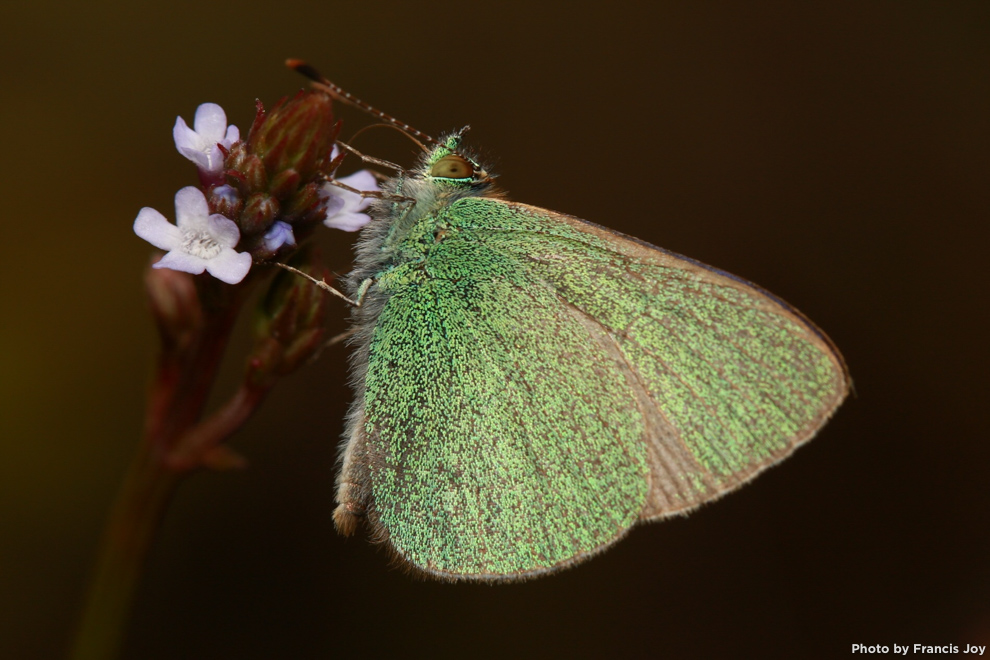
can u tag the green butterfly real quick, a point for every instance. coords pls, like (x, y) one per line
(530, 385)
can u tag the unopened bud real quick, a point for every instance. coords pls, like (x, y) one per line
(292, 316)
(284, 184)
(255, 176)
(306, 205)
(246, 171)
(226, 201)
(296, 134)
(175, 305)
(259, 214)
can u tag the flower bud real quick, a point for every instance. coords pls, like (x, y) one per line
(259, 213)
(284, 184)
(226, 201)
(306, 205)
(245, 171)
(296, 134)
(175, 306)
(236, 159)
(290, 325)
(255, 176)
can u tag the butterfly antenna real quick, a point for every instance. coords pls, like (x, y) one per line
(393, 127)
(321, 82)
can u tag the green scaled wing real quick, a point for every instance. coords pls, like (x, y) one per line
(539, 384)
(499, 441)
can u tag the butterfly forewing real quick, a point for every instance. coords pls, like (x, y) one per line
(733, 375)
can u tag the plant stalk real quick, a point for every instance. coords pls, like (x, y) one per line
(183, 380)
(133, 521)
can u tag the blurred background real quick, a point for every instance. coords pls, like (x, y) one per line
(835, 153)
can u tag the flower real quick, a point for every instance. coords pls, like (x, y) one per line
(278, 235)
(198, 241)
(199, 144)
(226, 194)
(344, 207)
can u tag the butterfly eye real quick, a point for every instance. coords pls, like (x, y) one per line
(452, 167)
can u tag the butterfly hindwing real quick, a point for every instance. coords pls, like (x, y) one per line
(497, 440)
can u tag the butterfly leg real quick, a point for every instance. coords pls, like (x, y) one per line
(363, 290)
(375, 194)
(347, 334)
(320, 283)
(369, 159)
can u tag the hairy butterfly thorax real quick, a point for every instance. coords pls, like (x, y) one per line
(409, 217)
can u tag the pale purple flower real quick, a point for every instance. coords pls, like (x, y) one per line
(343, 206)
(199, 143)
(197, 241)
(226, 193)
(278, 235)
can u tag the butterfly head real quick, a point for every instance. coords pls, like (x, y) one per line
(449, 166)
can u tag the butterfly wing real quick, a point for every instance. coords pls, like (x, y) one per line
(493, 439)
(539, 384)
(736, 379)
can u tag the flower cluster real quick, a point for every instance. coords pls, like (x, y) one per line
(259, 197)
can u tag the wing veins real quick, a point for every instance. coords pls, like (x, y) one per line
(529, 432)
(469, 325)
(643, 389)
(729, 340)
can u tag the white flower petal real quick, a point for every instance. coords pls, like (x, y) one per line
(229, 266)
(343, 207)
(361, 180)
(333, 204)
(200, 158)
(223, 230)
(214, 159)
(353, 202)
(178, 260)
(198, 241)
(185, 137)
(200, 144)
(154, 228)
(347, 221)
(191, 208)
(210, 122)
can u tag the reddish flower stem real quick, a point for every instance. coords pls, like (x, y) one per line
(133, 520)
(194, 448)
(184, 377)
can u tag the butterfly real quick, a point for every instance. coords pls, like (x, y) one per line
(529, 385)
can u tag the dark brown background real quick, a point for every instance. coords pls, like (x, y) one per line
(837, 154)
